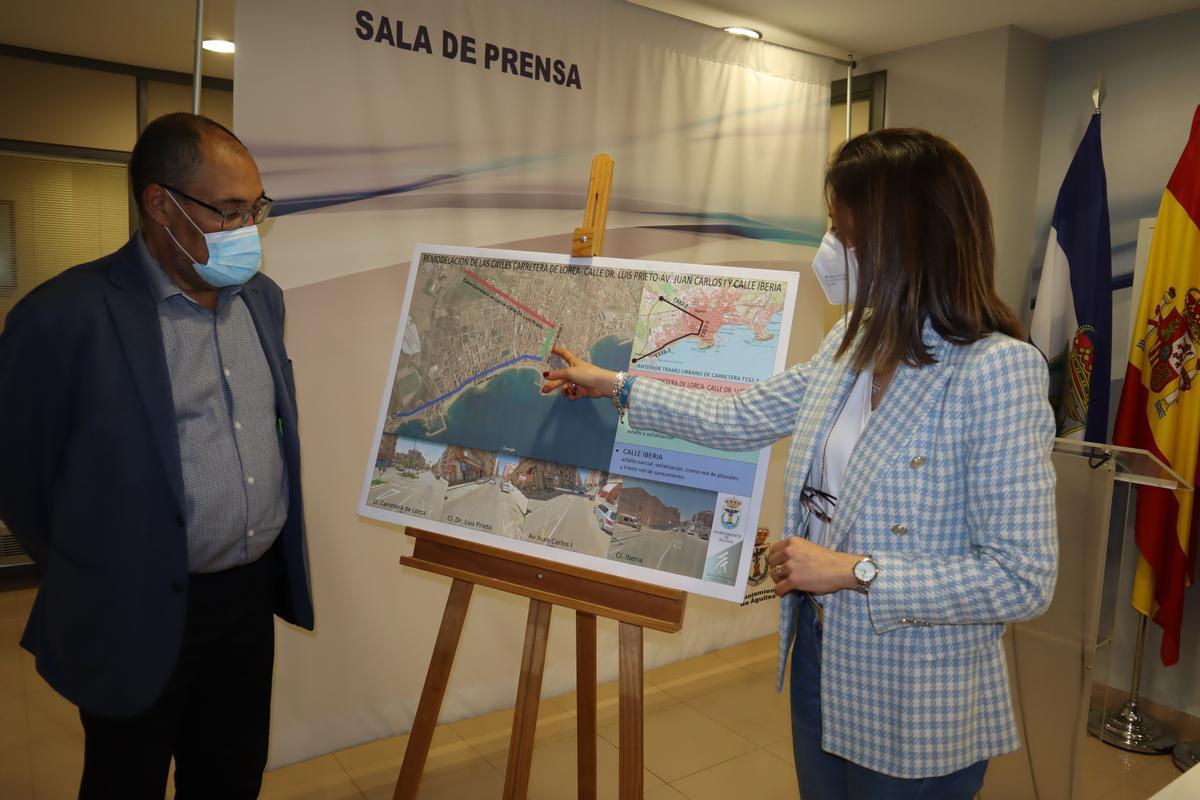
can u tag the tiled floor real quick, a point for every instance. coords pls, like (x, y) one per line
(714, 729)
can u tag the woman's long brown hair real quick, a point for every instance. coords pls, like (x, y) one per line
(922, 229)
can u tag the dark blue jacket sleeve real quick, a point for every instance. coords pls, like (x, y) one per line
(35, 401)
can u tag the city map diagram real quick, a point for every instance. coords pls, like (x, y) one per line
(478, 336)
(677, 327)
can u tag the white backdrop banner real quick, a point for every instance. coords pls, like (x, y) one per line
(377, 125)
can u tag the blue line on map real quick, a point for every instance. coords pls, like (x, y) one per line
(463, 385)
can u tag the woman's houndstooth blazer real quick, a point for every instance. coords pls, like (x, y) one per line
(951, 490)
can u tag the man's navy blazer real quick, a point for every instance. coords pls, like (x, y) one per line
(91, 482)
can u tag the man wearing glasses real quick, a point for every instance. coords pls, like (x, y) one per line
(152, 469)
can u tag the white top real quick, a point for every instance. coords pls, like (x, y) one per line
(829, 463)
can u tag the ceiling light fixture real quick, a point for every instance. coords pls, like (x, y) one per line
(749, 33)
(218, 45)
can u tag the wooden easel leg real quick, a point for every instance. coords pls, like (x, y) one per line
(529, 691)
(585, 700)
(436, 679)
(631, 722)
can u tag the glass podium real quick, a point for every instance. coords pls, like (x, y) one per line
(1061, 665)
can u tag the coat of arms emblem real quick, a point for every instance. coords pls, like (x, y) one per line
(732, 514)
(758, 561)
(1170, 343)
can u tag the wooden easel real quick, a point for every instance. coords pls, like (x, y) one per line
(546, 583)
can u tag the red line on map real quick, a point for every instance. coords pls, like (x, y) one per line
(496, 291)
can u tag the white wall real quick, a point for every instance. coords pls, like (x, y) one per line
(982, 91)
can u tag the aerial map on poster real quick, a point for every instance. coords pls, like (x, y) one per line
(466, 444)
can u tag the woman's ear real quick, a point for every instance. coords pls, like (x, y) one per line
(843, 222)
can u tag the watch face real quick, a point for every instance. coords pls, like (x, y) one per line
(865, 570)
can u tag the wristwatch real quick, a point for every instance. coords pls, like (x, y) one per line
(865, 572)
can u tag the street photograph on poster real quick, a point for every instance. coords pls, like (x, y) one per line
(662, 526)
(562, 505)
(466, 443)
(407, 478)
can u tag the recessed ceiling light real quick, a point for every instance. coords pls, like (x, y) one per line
(749, 33)
(218, 45)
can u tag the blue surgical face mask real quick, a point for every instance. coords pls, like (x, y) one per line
(233, 256)
(836, 267)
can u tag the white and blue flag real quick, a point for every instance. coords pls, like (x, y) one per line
(1072, 318)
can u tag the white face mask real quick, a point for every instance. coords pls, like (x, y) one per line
(837, 270)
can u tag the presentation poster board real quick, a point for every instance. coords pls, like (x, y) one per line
(466, 444)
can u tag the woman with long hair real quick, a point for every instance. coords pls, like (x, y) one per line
(919, 490)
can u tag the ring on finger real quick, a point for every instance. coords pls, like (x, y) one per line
(778, 571)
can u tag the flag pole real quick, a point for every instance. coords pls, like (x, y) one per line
(197, 77)
(849, 99)
(1130, 728)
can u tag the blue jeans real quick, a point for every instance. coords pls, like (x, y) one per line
(823, 776)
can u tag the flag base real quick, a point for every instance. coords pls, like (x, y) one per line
(1130, 729)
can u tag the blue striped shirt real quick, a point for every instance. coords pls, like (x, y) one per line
(234, 478)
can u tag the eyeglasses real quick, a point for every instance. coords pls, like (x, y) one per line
(231, 220)
(821, 504)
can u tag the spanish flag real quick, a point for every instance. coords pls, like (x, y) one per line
(1160, 402)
